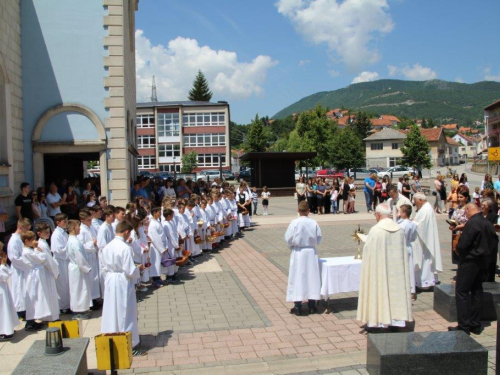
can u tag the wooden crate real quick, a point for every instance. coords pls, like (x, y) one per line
(70, 329)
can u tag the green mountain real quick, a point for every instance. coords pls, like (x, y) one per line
(442, 101)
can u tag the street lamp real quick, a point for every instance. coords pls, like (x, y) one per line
(175, 172)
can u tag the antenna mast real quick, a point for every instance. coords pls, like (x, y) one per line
(154, 98)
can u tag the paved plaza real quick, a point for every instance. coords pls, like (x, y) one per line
(229, 315)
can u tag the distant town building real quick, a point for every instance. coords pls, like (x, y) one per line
(469, 146)
(450, 127)
(168, 130)
(492, 123)
(385, 121)
(67, 94)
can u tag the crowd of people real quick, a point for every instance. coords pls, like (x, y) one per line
(104, 257)
(402, 252)
(325, 196)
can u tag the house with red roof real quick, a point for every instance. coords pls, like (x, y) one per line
(492, 123)
(450, 127)
(464, 130)
(385, 121)
(469, 146)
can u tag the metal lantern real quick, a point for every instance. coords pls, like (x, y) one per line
(53, 341)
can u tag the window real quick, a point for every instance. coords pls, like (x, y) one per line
(145, 121)
(395, 146)
(377, 146)
(169, 151)
(170, 168)
(168, 124)
(204, 119)
(211, 160)
(146, 141)
(215, 139)
(146, 162)
(393, 162)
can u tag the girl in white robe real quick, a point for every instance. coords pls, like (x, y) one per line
(234, 214)
(43, 233)
(8, 314)
(171, 237)
(38, 305)
(79, 274)
(205, 245)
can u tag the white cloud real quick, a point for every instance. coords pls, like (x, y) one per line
(459, 80)
(365, 77)
(349, 28)
(416, 72)
(304, 62)
(334, 73)
(175, 67)
(490, 77)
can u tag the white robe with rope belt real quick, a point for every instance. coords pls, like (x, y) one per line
(59, 247)
(158, 247)
(53, 271)
(119, 313)
(105, 235)
(426, 249)
(8, 314)
(304, 279)
(384, 289)
(79, 276)
(87, 237)
(19, 267)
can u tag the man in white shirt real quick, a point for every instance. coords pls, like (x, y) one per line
(54, 202)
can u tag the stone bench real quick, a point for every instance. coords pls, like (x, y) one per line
(73, 361)
(425, 353)
(445, 305)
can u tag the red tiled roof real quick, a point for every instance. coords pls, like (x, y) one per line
(463, 129)
(469, 138)
(452, 142)
(449, 126)
(432, 135)
(384, 120)
(344, 120)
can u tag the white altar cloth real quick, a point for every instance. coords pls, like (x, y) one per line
(339, 275)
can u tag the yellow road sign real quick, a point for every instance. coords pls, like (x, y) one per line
(494, 153)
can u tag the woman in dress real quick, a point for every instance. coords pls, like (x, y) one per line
(35, 205)
(326, 197)
(383, 190)
(320, 196)
(311, 194)
(352, 195)
(344, 192)
(300, 189)
(460, 219)
(487, 183)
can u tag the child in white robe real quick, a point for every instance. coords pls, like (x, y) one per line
(8, 314)
(172, 243)
(105, 235)
(195, 248)
(96, 219)
(158, 247)
(410, 230)
(79, 274)
(59, 247)
(89, 242)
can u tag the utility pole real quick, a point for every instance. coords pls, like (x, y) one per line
(154, 98)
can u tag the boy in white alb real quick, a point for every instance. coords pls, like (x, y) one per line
(104, 236)
(59, 247)
(89, 241)
(8, 314)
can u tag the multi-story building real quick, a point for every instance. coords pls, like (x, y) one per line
(168, 130)
(492, 122)
(67, 94)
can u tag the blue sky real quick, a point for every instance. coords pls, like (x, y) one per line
(263, 55)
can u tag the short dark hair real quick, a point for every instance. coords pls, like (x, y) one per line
(123, 226)
(155, 210)
(108, 211)
(24, 184)
(60, 217)
(167, 212)
(406, 208)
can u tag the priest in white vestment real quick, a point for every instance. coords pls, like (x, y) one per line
(89, 242)
(395, 201)
(304, 280)
(8, 314)
(19, 267)
(384, 290)
(119, 312)
(59, 247)
(79, 274)
(39, 303)
(426, 250)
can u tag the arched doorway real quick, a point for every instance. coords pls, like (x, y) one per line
(65, 137)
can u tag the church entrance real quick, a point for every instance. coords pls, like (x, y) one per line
(70, 166)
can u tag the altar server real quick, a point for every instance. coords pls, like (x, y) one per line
(426, 250)
(8, 314)
(158, 247)
(38, 300)
(384, 290)
(120, 306)
(119, 217)
(19, 267)
(59, 247)
(410, 231)
(96, 218)
(88, 239)
(79, 274)
(304, 282)
(104, 236)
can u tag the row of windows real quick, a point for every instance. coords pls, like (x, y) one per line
(170, 168)
(215, 139)
(145, 121)
(168, 124)
(146, 141)
(146, 162)
(169, 150)
(211, 160)
(380, 146)
(189, 119)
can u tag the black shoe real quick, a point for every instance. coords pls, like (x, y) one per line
(476, 330)
(66, 311)
(31, 328)
(296, 311)
(6, 337)
(313, 310)
(96, 307)
(458, 328)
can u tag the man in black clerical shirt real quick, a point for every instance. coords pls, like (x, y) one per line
(474, 247)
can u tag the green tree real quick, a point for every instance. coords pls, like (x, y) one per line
(200, 91)
(314, 132)
(424, 123)
(362, 125)
(430, 123)
(189, 162)
(280, 145)
(405, 123)
(416, 150)
(238, 134)
(256, 137)
(347, 149)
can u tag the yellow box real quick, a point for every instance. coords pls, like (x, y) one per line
(122, 350)
(70, 329)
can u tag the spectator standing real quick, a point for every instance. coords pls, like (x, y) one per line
(300, 189)
(368, 190)
(320, 196)
(266, 195)
(326, 199)
(487, 183)
(35, 206)
(496, 186)
(377, 193)
(255, 200)
(54, 202)
(406, 191)
(24, 203)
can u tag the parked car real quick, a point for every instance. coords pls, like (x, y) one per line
(376, 169)
(361, 173)
(397, 171)
(146, 174)
(163, 176)
(329, 173)
(246, 175)
(228, 175)
(214, 173)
